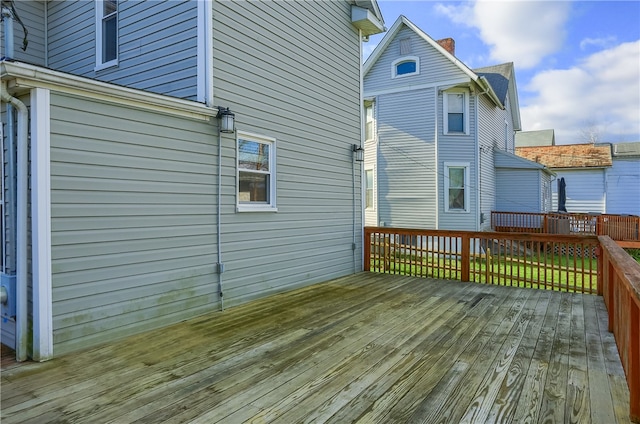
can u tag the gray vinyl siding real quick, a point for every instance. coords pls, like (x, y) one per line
(585, 190)
(32, 14)
(458, 148)
(133, 197)
(157, 48)
(297, 81)
(518, 190)
(406, 159)
(623, 186)
(434, 66)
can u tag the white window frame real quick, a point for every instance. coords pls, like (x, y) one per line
(370, 106)
(270, 205)
(99, 35)
(395, 63)
(372, 188)
(466, 166)
(445, 112)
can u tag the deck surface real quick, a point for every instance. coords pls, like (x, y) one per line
(367, 348)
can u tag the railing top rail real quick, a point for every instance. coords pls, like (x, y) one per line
(566, 238)
(622, 261)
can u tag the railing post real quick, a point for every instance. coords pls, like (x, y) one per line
(367, 249)
(466, 258)
(545, 224)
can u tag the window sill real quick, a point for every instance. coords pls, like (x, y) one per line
(456, 211)
(106, 65)
(256, 208)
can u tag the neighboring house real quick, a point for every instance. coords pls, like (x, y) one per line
(623, 180)
(433, 129)
(584, 168)
(535, 138)
(142, 212)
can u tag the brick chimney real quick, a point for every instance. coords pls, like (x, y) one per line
(448, 44)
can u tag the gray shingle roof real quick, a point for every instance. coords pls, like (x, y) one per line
(498, 76)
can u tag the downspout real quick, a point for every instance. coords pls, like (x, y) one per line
(357, 268)
(219, 219)
(21, 221)
(437, 160)
(478, 164)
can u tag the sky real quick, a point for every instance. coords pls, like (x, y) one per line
(577, 63)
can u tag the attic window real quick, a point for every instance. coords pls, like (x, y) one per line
(405, 66)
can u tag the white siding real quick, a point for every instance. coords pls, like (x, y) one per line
(297, 80)
(370, 162)
(157, 44)
(623, 187)
(133, 220)
(585, 190)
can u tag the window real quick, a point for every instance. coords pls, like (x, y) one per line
(405, 66)
(369, 126)
(456, 113)
(106, 33)
(369, 189)
(256, 173)
(456, 191)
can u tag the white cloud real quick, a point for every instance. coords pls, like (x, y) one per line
(603, 89)
(597, 42)
(523, 32)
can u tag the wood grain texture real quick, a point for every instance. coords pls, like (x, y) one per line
(368, 348)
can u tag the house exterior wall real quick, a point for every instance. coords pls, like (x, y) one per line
(408, 172)
(132, 220)
(585, 190)
(519, 190)
(157, 48)
(458, 148)
(371, 163)
(434, 67)
(406, 160)
(298, 83)
(623, 186)
(32, 15)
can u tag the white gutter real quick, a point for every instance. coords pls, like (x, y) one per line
(21, 225)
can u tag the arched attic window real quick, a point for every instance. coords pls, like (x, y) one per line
(405, 66)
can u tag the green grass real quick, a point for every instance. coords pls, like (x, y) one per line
(557, 273)
(634, 253)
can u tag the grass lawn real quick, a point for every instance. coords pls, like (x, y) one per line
(573, 274)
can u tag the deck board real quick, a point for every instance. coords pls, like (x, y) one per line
(365, 348)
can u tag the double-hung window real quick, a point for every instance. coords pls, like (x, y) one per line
(106, 33)
(369, 125)
(456, 190)
(256, 173)
(369, 202)
(456, 112)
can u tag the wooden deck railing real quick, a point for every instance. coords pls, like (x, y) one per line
(554, 262)
(621, 291)
(618, 227)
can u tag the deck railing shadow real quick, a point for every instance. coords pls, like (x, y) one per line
(571, 263)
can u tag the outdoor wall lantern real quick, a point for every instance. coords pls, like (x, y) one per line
(227, 120)
(358, 153)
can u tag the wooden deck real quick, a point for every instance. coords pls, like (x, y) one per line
(365, 348)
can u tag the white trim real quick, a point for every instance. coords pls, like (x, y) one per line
(466, 166)
(41, 224)
(445, 111)
(452, 82)
(395, 63)
(373, 189)
(437, 159)
(99, 16)
(258, 207)
(31, 76)
(205, 52)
